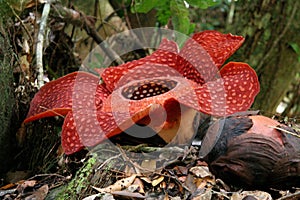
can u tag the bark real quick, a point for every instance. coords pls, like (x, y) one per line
(6, 100)
(269, 27)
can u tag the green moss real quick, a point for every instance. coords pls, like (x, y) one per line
(79, 182)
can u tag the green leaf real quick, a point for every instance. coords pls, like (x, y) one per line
(163, 12)
(143, 6)
(203, 4)
(180, 16)
(296, 48)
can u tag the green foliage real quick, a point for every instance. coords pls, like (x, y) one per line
(163, 12)
(177, 10)
(296, 48)
(4, 9)
(180, 17)
(203, 4)
(144, 6)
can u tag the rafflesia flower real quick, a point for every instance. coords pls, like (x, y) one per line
(155, 91)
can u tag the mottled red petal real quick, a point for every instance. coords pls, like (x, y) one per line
(55, 98)
(79, 92)
(108, 124)
(195, 63)
(241, 83)
(148, 71)
(70, 139)
(204, 53)
(234, 92)
(87, 99)
(166, 54)
(218, 45)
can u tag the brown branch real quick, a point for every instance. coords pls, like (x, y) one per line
(87, 23)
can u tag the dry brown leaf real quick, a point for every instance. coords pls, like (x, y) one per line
(146, 179)
(138, 185)
(157, 181)
(166, 197)
(39, 194)
(190, 183)
(149, 165)
(91, 197)
(117, 186)
(256, 194)
(201, 171)
(26, 184)
(200, 183)
(207, 195)
(171, 186)
(131, 195)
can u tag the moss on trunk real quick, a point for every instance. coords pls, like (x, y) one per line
(6, 99)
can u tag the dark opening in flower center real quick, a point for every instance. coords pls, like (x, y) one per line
(148, 88)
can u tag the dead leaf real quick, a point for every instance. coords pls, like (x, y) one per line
(190, 183)
(180, 170)
(8, 186)
(201, 171)
(182, 179)
(131, 195)
(255, 194)
(117, 186)
(39, 194)
(171, 186)
(146, 179)
(163, 185)
(26, 184)
(200, 183)
(149, 165)
(157, 181)
(207, 195)
(137, 186)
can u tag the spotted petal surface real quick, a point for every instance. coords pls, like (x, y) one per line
(218, 45)
(152, 91)
(166, 54)
(204, 53)
(70, 140)
(234, 92)
(55, 97)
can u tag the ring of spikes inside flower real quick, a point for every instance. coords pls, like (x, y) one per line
(148, 88)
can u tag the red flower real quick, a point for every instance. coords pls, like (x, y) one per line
(155, 91)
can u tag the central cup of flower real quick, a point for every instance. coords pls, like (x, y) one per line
(148, 88)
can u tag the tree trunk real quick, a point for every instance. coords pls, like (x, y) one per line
(269, 27)
(6, 100)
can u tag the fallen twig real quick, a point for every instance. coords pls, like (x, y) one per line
(285, 131)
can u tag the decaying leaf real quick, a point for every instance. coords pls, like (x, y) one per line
(39, 194)
(117, 186)
(127, 194)
(259, 195)
(204, 196)
(26, 184)
(201, 171)
(137, 185)
(149, 164)
(157, 181)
